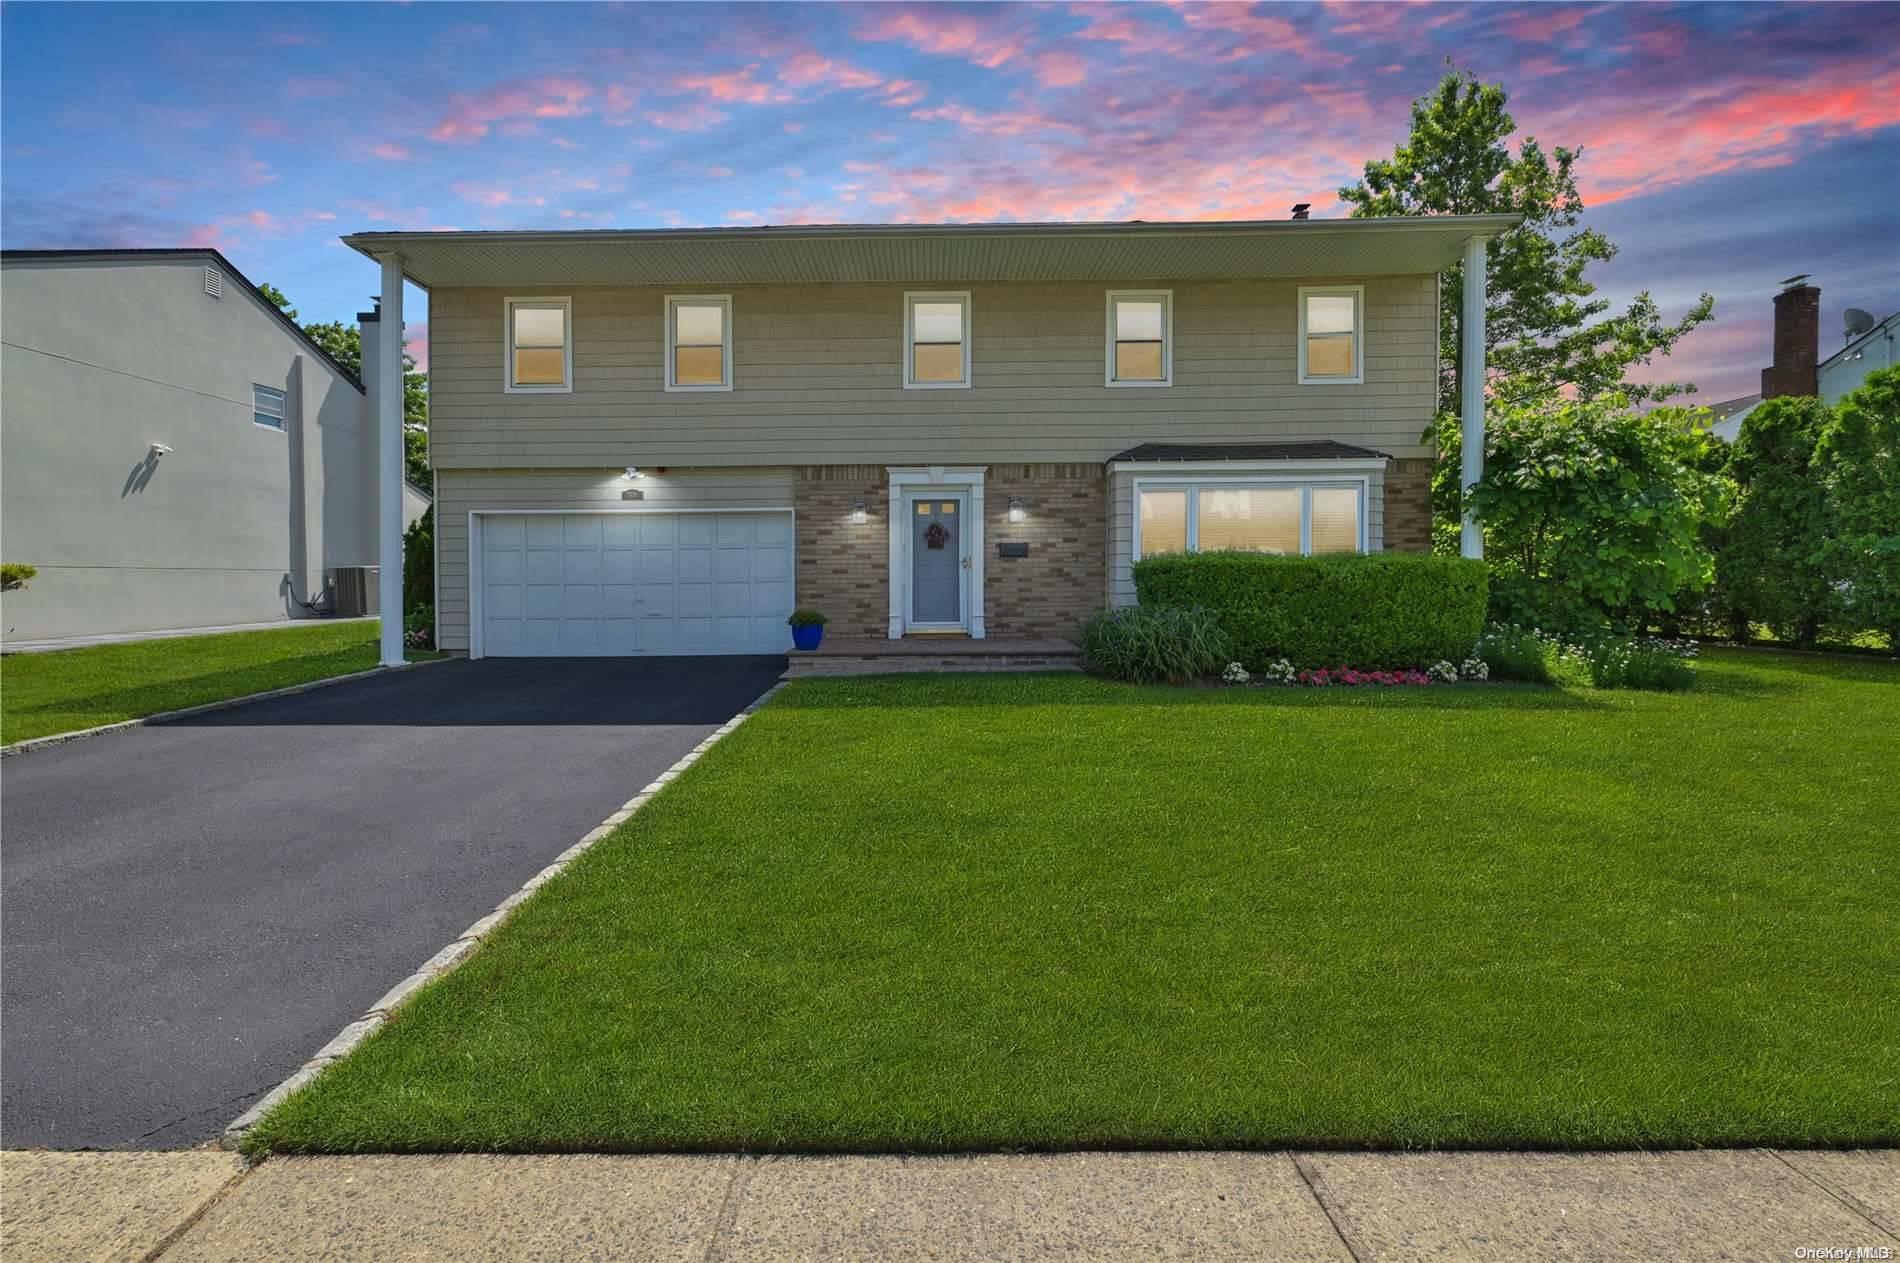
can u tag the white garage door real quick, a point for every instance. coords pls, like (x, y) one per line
(609, 584)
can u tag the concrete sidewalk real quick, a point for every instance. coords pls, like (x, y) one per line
(204, 1205)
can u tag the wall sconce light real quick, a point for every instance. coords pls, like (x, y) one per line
(858, 514)
(1016, 509)
(633, 471)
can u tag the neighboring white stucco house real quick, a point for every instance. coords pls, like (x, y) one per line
(174, 451)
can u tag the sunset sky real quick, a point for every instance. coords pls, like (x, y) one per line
(1725, 147)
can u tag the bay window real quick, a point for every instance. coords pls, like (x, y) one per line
(1287, 518)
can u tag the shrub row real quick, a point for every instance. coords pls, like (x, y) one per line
(1378, 610)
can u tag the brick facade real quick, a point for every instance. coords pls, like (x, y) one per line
(1796, 368)
(1408, 506)
(1065, 523)
(844, 567)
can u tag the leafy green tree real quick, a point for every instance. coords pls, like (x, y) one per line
(1546, 331)
(418, 561)
(1593, 512)
(1858, 457)
(344, 344)
(1545, 328)
(1772, 567)
(277, 296)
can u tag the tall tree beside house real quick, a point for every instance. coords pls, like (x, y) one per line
(1772, 567)
(344, 344)
(1547, 333)
(1859, 460)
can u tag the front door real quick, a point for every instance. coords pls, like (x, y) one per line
(937, 565)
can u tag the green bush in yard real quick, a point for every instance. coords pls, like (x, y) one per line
(1370, 611)
(1146, 645)
(1859, 459)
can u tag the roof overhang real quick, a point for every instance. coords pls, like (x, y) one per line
(935, 253)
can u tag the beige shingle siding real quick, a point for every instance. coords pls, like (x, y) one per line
(458, 491)
(818, 372)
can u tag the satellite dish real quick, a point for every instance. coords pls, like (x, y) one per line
(1858, 322)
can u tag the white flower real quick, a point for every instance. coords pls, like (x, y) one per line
(1442, 673)
(1474, 669)
(1235, 674)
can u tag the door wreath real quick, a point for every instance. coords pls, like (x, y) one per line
(935, 535)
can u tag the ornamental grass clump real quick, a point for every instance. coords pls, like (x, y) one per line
(1149, 645)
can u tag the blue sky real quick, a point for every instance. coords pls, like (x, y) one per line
(1725, 146)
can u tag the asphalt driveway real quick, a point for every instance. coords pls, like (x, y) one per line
(189, 910)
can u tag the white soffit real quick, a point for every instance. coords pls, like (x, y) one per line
(933, 253)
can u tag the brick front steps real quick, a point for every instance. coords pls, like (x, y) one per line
(849, 656)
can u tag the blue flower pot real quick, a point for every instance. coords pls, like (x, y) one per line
(808, 637)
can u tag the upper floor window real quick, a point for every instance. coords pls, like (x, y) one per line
(699, 342)
(540, 344)
(267, 406)
(1140, 337)
(936, 340)
(1332, 334)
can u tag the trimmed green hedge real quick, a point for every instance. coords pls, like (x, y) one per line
(1368, 611)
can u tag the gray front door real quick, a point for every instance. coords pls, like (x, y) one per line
(936, 561)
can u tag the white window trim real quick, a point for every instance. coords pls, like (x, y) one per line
(283, 402)
(725, 331)
(911, 299)
(1305, 483)
(909, 478)
(1166, 298)
(1358, 294)
(508, 306)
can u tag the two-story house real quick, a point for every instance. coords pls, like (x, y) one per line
(660, 442)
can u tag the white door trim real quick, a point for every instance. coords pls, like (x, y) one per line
(911, 498)
(967, 479)
(475, 517)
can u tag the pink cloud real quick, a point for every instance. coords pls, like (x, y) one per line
(415, 340)
(390, 152)
(792, 129)
(945, 32)
(1061, 69)
(469, 117)
(737, 87)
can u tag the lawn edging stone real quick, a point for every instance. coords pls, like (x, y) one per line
(186, 712)
(464, 945)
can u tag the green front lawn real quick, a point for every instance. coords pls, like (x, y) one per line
(69, 689)
(991, 912)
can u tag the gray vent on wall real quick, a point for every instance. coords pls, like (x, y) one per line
(214, 282)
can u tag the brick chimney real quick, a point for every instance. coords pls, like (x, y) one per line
(1797, 343)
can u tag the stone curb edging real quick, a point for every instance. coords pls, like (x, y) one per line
(446, 960)
(166, 716)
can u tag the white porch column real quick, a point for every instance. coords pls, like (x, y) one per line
(389, 463)
(1471, 389)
